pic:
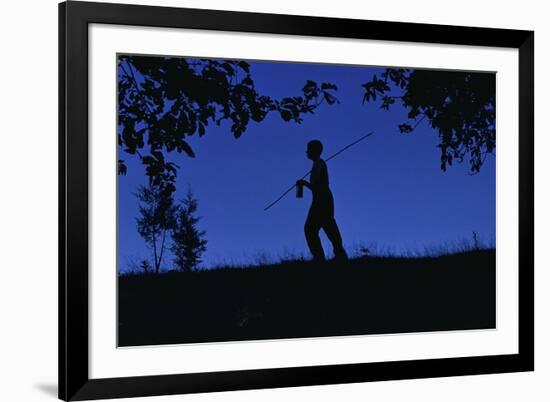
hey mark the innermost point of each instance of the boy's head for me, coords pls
(314, 149)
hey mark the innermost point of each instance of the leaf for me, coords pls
(326, 85)
(158, 155)
(286, 115)
(227, 67)
(148, 160)
(331, 99)
(244, 65)
(405, 128)
(185, 147)
(122, 169)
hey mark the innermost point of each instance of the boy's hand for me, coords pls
(301, 182)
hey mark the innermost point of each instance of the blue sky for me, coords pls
(389, 189)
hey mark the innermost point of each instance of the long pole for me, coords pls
(326, 160)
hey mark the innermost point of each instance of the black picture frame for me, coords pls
(74, 381)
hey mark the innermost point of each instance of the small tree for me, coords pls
(188, 242)
(157, 217)
(145, 266)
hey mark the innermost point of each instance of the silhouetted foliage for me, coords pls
(163, 100)
(157, 216)
(459, 105)
(188, 242)
(145, 266)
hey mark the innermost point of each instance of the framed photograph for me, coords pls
(256, 200)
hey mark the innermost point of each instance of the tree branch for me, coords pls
(419, 121)
(136, 85)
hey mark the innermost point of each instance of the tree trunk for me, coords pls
(162, 247)
(157, 262)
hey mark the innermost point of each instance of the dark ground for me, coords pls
(300, 299)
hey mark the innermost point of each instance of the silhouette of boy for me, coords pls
(321, 212)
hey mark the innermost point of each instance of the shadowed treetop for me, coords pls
(459, 105)
(163, 100)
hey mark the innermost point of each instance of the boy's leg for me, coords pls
(333, 233)
(311, 230)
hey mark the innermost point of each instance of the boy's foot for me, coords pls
(341, 256)
(318, 260)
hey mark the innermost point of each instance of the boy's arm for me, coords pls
(304, 183)
(318, 177)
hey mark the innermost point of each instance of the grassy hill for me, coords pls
(367, 295)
